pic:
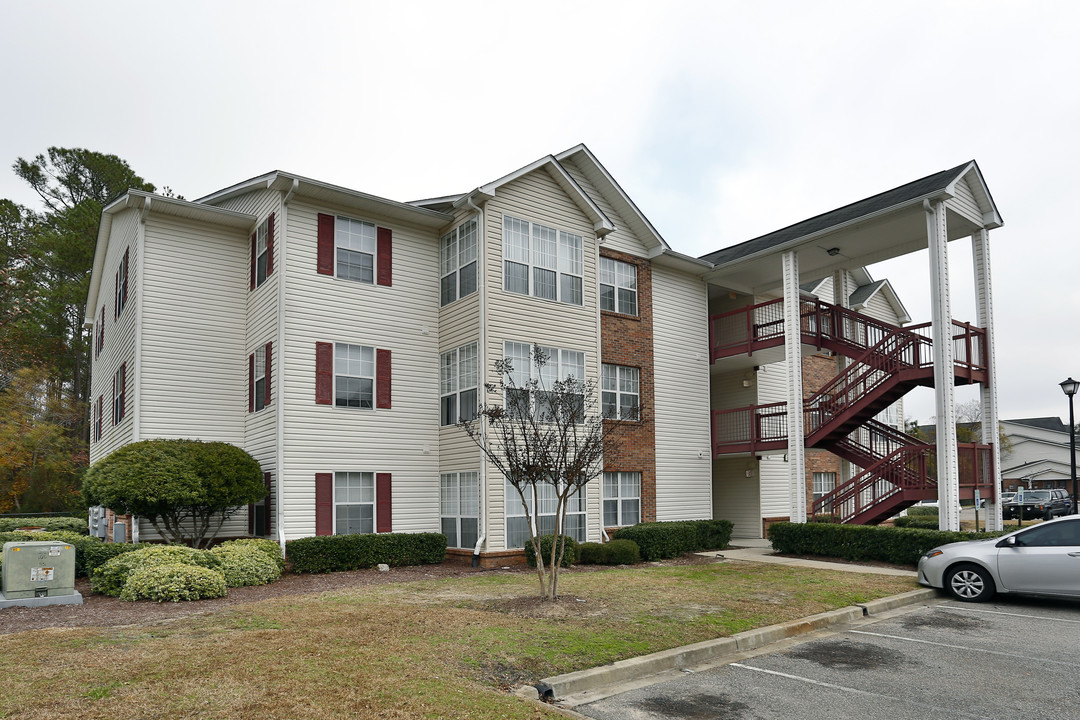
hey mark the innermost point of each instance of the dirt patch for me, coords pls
(942, 621)
(696, 707)
(846, 655)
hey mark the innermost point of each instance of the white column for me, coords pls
(793, 354)
(842, 298)
(948, 461)
(984, 309)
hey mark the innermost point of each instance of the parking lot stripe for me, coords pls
(964, 647)
(855, 691)
(998, 612)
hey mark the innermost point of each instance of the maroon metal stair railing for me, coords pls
(898, 480)
(755, 428)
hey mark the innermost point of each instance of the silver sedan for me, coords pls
(1040, 560)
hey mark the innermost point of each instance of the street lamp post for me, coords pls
(1069, 387)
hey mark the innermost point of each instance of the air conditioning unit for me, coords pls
(38, 569)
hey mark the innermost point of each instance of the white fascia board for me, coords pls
(990, 216)
(861, 276)
(258, 182)
(677, 261)
(615, 190)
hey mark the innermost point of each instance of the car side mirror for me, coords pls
(1008, 542)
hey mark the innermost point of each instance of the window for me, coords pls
(824, 483)
(262, 253)
(457, 255)
(622, 498)
(121, 285)
(99, 336)
(119, 381)
(354, 249)
(458, 384)
(561, 364)
(459, 500)
(620, 394)
(260, 381)
(354, 503)
(354, 376)
(548, 260)
(618, 286)
(517, 528)
(1061, 534)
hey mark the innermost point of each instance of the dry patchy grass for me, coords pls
(431, 649)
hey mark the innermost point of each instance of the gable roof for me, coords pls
(939, 184)
(1043, 423)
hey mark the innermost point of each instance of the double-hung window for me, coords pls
(355, 247)
(354, 503)
(459, 500)
(824, 483)
(458, 378)
(620, 392)
(622, 498)
(517, 526)
(542, 261)
(354, 376)
(560, 364)
(121, 287)
(618, 286)
(260, 381)
(119, 394)
(457, 255)
(262, 253)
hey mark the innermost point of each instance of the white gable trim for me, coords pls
(974, 178)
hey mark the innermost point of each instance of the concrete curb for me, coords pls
(712, 651)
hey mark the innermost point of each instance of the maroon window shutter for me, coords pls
(382, 378)
(254, 250)
(326, 245)
(113, 398)
(383, 503)
(386, 256)
(100, 406)
(125, 274)
(324, 504)
(269, 356)
(251, 518)
(324, 373)
(123, 389)
(267, 504)
(251, 382)
(270, 245)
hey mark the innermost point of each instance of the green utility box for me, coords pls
(38, 569)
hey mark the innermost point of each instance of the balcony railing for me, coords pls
(749, 429)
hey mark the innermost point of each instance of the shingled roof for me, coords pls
(882, 201)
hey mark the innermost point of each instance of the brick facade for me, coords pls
(818, 370)
(628, 340)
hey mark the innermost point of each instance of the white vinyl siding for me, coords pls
(736, 497)
(621, 239)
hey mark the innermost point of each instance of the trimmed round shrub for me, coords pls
(173, 582)
(110, 578)
(614, 552)
(246, 565)
(268, 547)
(570, 553)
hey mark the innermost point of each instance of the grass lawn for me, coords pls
(432, 649)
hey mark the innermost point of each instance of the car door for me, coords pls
(1045, 559)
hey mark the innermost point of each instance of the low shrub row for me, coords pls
(51, 524)
(659, 540)
(923, 522)
(614, 552)
(901, 546)
(330, 553)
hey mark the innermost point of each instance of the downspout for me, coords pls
(140, 299)
(481, 275)
(600, 339)
(280, 509)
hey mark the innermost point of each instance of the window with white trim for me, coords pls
(517, 526)
(458, 379)
(260, 379)
(354, 503)
(121, 286)
(824, 483)
(620, 392)
(119, 379)
(542, 261)
(561, 364)
(262, 252)
(618, 286)
(459, 500)
(457, 257)
(354, 376)
(622, 498)
(354, 249)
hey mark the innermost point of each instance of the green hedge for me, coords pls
(614, 552)
(112, 577)
(90, 552)
(330, 553)
(570, 552)
(50, 524)
(670, 539)
(923, 522)
(922, 510)
(901, 546)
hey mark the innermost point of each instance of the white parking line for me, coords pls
(964, 608)
(952, 712)
(964, 647)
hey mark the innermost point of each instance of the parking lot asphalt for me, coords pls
(1011, 658)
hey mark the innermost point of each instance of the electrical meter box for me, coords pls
(38, 569)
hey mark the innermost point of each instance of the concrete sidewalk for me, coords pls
(756, 550)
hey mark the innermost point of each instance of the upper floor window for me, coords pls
(121, 285)
(620, 394)
(542, 261)
(262, 253)
(457, 256)
(354, 248)
(354, 376)
(618, 286)
(119, 394)
(458, 377)
(559, 364)
(260, 381)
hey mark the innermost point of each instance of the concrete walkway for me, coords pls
(757, 550)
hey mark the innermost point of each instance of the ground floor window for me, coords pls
(459, 500)
(622, 498)
(517, 527)
(354, 503)
(824, 483)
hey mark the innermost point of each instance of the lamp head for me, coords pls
(1070, 386)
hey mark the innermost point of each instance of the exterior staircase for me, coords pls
(886, 363)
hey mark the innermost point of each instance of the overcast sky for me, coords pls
(722, 120)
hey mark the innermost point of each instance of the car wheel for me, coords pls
(1048, 515)
(969, 583)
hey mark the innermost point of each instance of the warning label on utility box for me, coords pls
(41, 574)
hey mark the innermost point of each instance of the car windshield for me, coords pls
(1037, 495)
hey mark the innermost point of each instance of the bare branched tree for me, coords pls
(545, 434)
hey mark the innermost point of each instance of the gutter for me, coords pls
(481, 360)
(283, 233)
